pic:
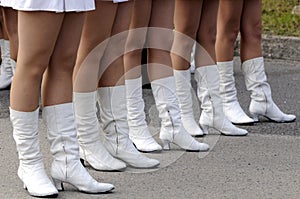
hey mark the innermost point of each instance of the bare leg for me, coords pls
(251, 30)
(112, 65)
(186, 20)
(57, 81)
(96, 32)
(228, 26)
(159, 60)
(136, 38)
(11, 24)
(206, 36)
(34, 55)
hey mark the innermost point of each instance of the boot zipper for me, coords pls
(117, 138)
(66, 161)
(172, 123)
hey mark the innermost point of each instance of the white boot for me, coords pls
(183, 91)
(66, 166)
(5, 69)
(13, 66)
(113, 117)
(88, 129)
(228, 93)
(212, 115)
(261, 99)
(172, 130)
(138, 129)
(31, 169)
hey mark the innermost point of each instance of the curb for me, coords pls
(277, 47)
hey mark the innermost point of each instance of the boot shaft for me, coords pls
(164, 92)
(25, 133)
(60, 123)
(256, 79)
(184, 91)
(135, 103)
(113, 113)
(207, 78)
(86, 117)
(227, 82)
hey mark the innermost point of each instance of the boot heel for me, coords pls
(255, 117)
(166, 144)
(58, 184)
(82, 162)
(204, 129)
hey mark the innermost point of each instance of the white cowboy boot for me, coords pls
(31, 169)
(212, 115)
(6, 72)
(183, 91)
(172, 130)
(113, 120)
(88, 133)
(138, 129)
(66, 166)
(228, 93)
(262, 103)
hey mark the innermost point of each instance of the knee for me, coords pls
(63, 62)
(160, 39)
(251, 32)
(116, 47)
(188, 30)
(207, 36)
(229, 31)
(136, 39)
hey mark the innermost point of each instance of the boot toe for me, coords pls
(289, 118)
(236, 132)
(236, 115)
(197, 147)
(146, 145)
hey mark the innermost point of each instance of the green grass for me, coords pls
(278, 18)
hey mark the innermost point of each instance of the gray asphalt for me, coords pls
(265, 164)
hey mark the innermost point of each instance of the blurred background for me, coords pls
(278, 17)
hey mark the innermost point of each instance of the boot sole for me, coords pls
(83, 162)
(155, 151)
(244, 124)
(274, 121)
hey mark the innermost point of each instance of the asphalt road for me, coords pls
(265, 164)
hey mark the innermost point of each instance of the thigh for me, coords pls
(229, 16)
(162, 14)
(205, 51)
(208, 21)
(112, 64)
(160, 35)
(97, 27)
(38, 33)
(141, 13)
(251, 17)
(116, 45)
(64, 54)
(187, 16)
(10, 17)
(140, 20)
